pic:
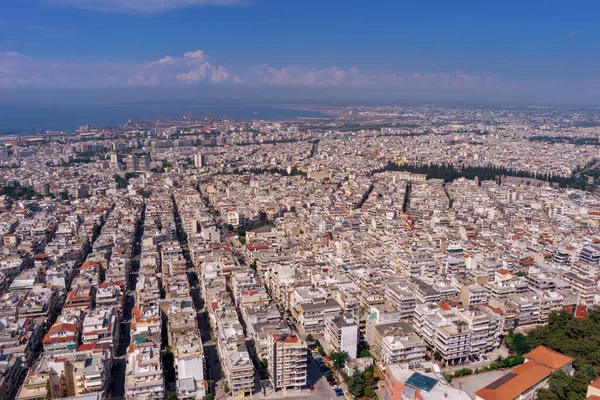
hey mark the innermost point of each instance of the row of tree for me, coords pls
(449, 173)
(589, 141)
(283, 172)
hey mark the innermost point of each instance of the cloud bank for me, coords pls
(196, 68)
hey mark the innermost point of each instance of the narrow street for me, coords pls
(120, 360)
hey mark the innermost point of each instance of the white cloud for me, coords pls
(195, 67)
(335, 77)
(143, 6)
(191, 67)
(198, 54)
(162, 61)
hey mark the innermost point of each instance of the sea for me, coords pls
(27, 119)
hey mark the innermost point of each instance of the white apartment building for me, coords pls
(341, 334)
(287, 361)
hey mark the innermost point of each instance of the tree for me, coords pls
(208, 396)
(309, 337)
(226, 388)
(339, 359)
(437, 356)
(369, 375)
(182, 236)
(369, 392)
(356, 383)
(518, 343)
(172, 396)
(121, 182)
(364, 353)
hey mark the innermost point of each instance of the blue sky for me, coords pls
(507, 49)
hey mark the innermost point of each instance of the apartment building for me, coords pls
(67, 375)
(457, 333)
(311, 316)
(341, 334)
(144, 373)
(397, 342)
(101, 327)
(586, 287)
(238, 368)
(473, 295)
(287, 361)
(401, 296)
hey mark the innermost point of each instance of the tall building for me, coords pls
(115, 159)
(133, 163)
(144, 163)
(341, 334)
(199, 160)
(287, 360)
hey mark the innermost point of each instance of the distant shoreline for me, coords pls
(26, 120)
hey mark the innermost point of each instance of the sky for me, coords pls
(545, 51)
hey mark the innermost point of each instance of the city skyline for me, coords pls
(508, 52)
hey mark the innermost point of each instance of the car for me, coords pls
(319, 359)
(332, 383)
(311, 386)
(339, 392)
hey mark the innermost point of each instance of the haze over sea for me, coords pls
(25, 119)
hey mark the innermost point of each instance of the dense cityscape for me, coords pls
(391, 252)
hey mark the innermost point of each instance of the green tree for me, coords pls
(226, 388)
(437, 356)
(339, 359)
(309, 337)
(364, 353)
(518, 343)
(369, 392)
(558, 389)
(356, 383)
(182, 236)
(121, 182)
(208, 396)
(172, 396)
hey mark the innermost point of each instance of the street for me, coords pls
(120, 360)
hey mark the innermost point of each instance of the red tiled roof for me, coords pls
(548, 357)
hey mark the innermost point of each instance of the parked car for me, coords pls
(332, 383)
(311, 387)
